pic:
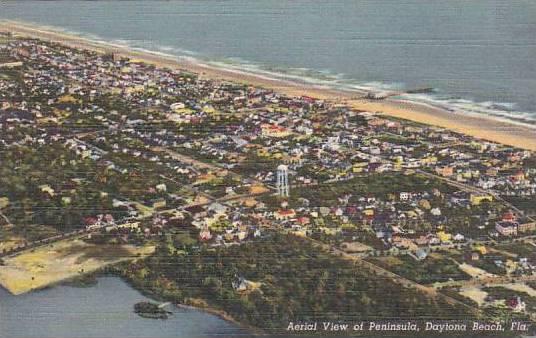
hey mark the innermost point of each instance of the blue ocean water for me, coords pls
(479, 55)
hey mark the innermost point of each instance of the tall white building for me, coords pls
(282, 181)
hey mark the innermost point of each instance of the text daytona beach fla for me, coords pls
(431, 326)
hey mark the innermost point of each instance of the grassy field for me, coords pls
(520, 249)
(48, 265)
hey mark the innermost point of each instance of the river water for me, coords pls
(103, 310)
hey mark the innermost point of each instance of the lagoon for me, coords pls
(103, 310)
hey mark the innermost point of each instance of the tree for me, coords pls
(183, 240)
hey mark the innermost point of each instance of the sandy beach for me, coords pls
(480, 126)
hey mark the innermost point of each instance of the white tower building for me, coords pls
(282, 181)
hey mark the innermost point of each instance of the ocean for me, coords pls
(477, 55)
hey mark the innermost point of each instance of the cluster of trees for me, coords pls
(296, 281)
(49, 185)
(385, 186)
(427, 271)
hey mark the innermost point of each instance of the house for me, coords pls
(478, 198)
(527, 227)
(401, 242)
(507, 228)
(161, 187)
(474, 256)
(241, 235)
(429, 160)
(445, 171)
(217, 208)
(271, 130)
(196, 210)
(481, 249)
(518, 176)
(421, 254)
(239, 284)
(493, 171)
(177, 106)
(435, 212)
(459, 237)
(131, 226)
(284, 214)
(47, 189)
(159, 203)
(516, 304)
(205, 234)
(4, 202)
(91, 223)
(303, 220)
(404, 196)
(422, 240)
(359, 167)
(486, 184)
(444, 237)
(509, 217)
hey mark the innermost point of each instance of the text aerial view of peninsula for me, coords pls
(268, 168)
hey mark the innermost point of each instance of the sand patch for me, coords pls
(351, 247)
(475, 272)
(521, 287)
(51, 264)
(258, 189)
(475, 294)
(11, 243)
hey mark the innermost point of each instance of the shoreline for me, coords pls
(109, 272)
(482, 127)
(114, 271)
